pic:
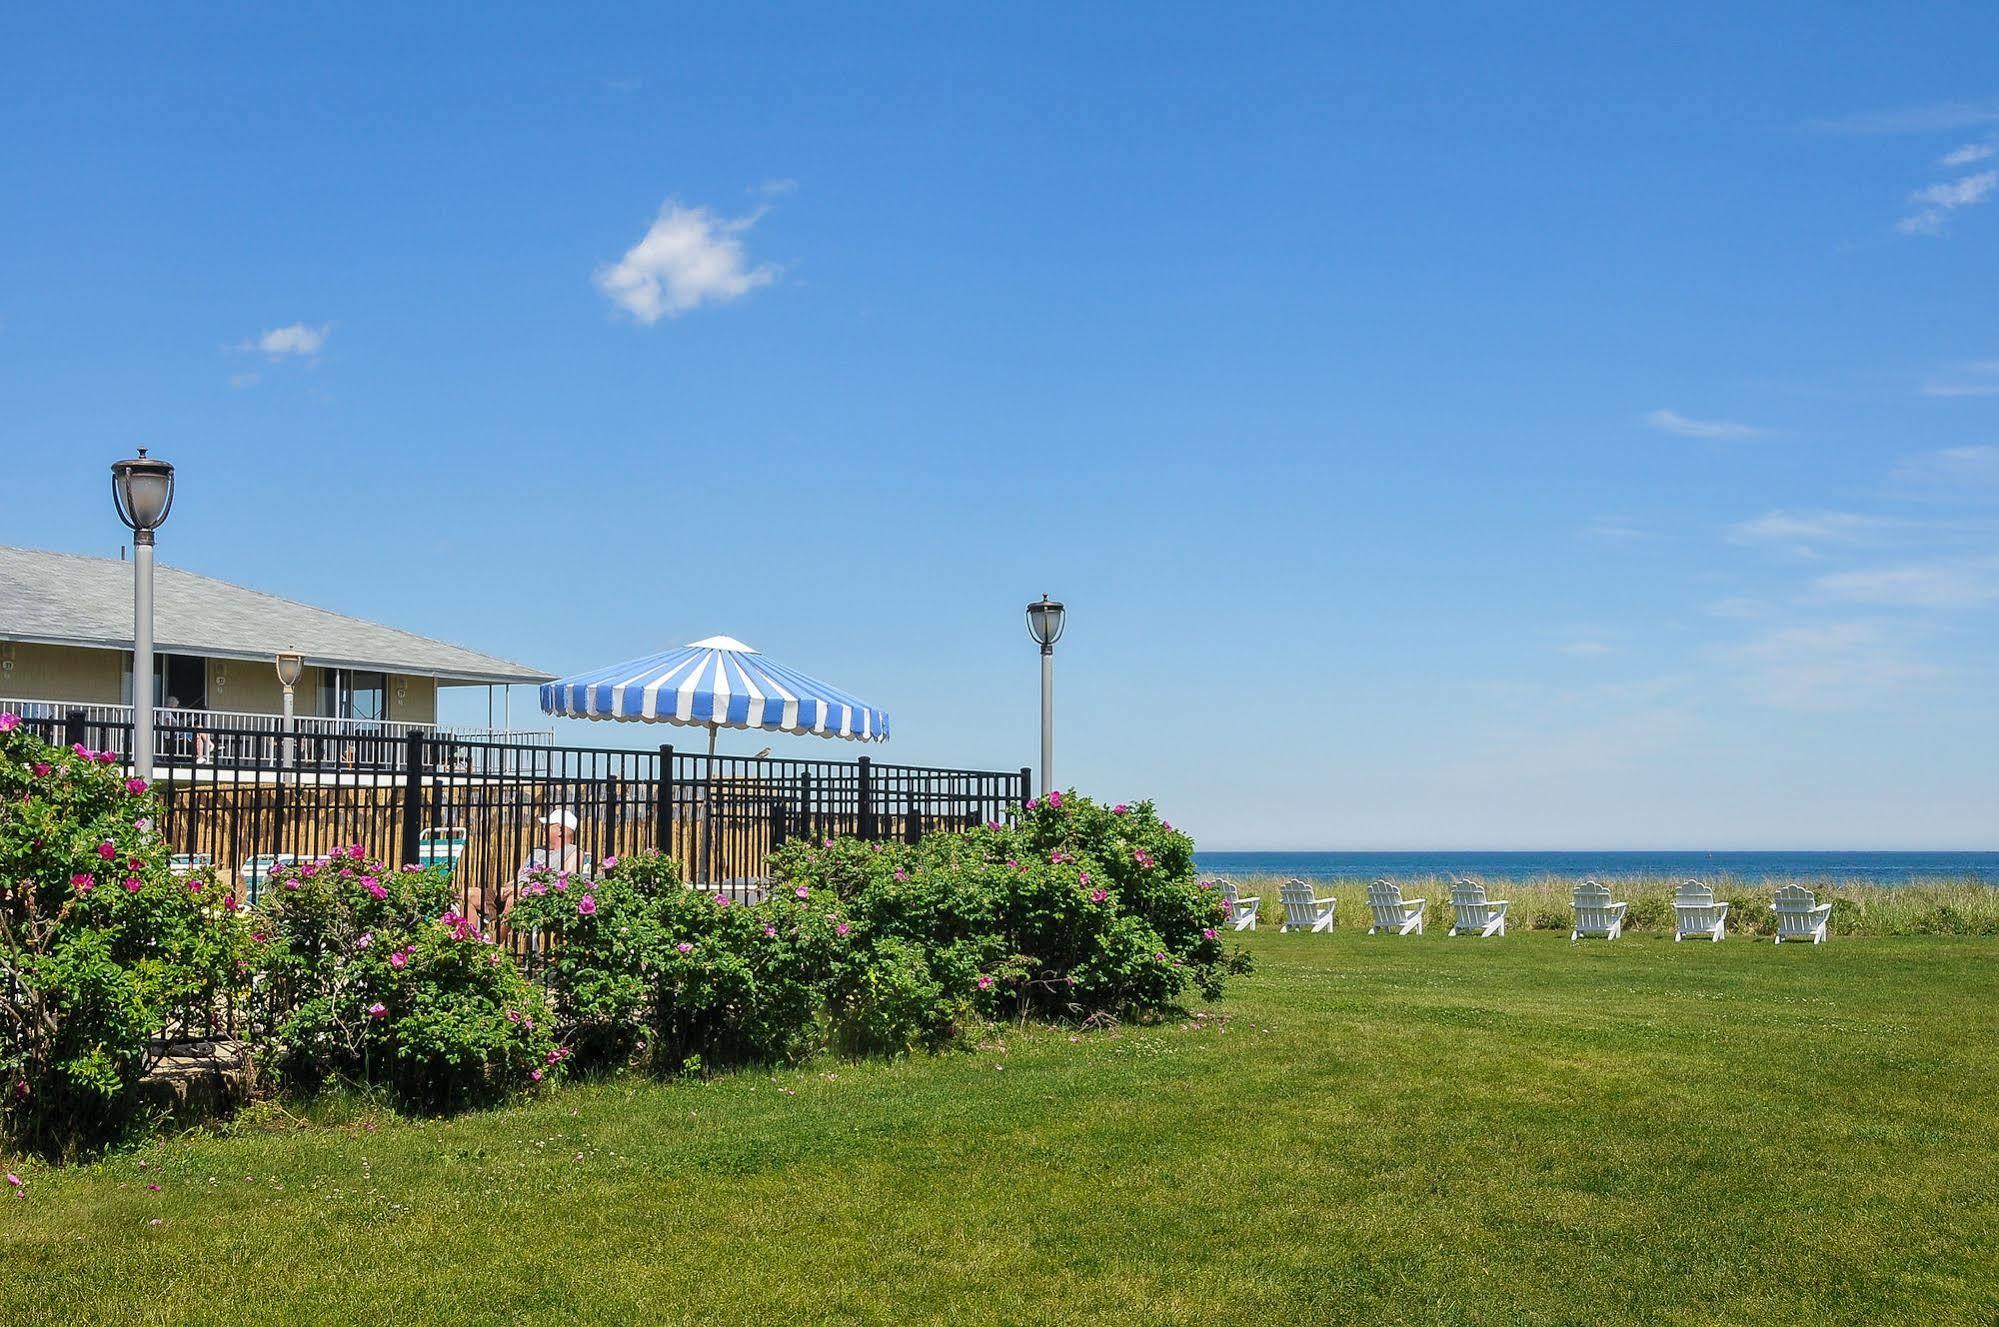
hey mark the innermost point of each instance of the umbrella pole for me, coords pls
(711, 739)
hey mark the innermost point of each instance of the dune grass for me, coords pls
(1944, 907)
(1414, 1130)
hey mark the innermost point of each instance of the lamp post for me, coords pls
(143, 491)
(290, 665)
(1044, 624)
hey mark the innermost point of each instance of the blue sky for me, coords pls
(1449, 428)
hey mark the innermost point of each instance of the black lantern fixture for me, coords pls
(143, 491)
(1044, 623)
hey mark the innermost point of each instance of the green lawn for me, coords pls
(1421, 1130)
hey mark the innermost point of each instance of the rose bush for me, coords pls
(365, 974)
(102, 948)
(641, 965)
(1074, 910)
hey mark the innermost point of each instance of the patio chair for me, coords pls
(441, 845)
(1303, 910)
(257, 869)
(1596, 914)
(184, 864)
(1242, 911)
(1800, 915)
(1472, 912)
(1696, 913)
(1391, 911)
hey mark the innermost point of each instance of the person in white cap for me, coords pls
(559, 851)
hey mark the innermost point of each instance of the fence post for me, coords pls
(412, 795)
(72, 728)
(662, 817)
(1026, 785)
(867, 810)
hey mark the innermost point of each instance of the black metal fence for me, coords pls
(242, 805)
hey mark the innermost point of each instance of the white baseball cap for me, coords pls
(566, 819)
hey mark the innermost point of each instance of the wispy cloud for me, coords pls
(241, 380)
(1584, 649)
(298, 339)
(1616, 530)
(1967, 155)
(1951, 583)
(1976, 378)
(689, 257)
(1951, 472)
(1935, 118)
(1935, 204)
(1822, 667)
(1803, 533)
(1736, 606)
(1672, 421)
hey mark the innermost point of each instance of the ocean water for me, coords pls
(1881, 868)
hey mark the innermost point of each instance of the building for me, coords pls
(66, 654)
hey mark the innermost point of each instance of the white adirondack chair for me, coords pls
(1472, 911)
(1696, 913)
(1800, 915)
(1596, 914)
(1304, 910)
(1391, 911)
(1242, 911)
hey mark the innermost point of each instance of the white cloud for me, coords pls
(1955, 471)
(1615, 530)
(1801, 533)
(1937, 118)
(1833, 666)
(1968, 154)
(1935, 204)
(1671, 421)
(689, 257)
(1739, 606)
(297, 339)
(242, 380)
(1954, 583)
(1584, 649)
(1977, 378)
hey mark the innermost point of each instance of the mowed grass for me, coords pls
(1413, 1130)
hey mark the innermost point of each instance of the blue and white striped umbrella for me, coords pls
(715, 683)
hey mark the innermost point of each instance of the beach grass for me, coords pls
(1369, 1129)
(1942, 907)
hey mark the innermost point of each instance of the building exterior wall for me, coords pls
(97, 677)
(62, 672)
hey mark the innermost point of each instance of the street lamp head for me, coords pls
(1044, 623)
(143, 491)
(291, 664)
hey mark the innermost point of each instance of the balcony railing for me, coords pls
(238, 738)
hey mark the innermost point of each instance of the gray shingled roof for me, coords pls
(65, 599)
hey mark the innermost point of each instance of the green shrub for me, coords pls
(102, 949)
(641, 965)
(366, 975)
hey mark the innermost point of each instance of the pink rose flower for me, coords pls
(8, 723)
(1119, 809)
(587, 905)
(802, 892)
(684, 947)
(1207, 933)
(610, 862)
(1098, 895)
(132, 884)
(82, 882)
(400, 959)
(1033, 803)
(107, 850)
(842, 929)
(377, 1009)
(135, 786)
(1055, 801)
(770, 932)
(41, 769)
(536, 1075)
(365, 939)
(355, 852)
(985, 983)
